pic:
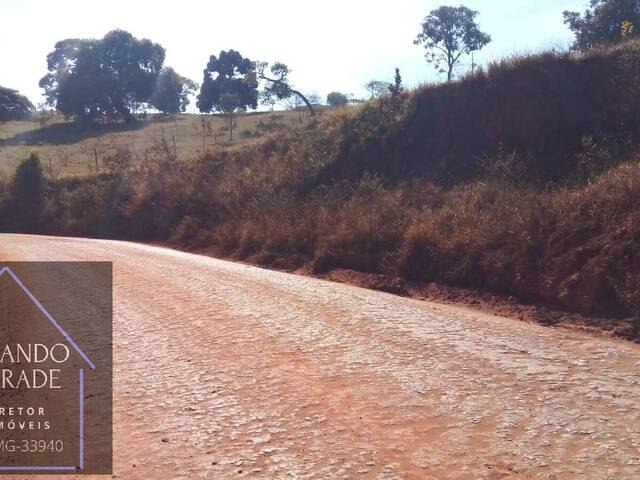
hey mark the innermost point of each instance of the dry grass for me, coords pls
(70, 149)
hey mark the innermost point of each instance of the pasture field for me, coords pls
(70, 149)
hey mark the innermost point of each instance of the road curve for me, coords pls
(224, 370)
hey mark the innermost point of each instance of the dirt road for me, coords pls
(225, 370)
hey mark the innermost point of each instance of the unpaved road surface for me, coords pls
(224, 370)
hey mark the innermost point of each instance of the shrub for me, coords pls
(24, 200)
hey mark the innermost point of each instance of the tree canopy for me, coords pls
(14, 106)
(230, 74)
(172, 92)
(110, 77)
(396, 88)
(337, 99)
(377, 88)
(604, 22)
(449, 33)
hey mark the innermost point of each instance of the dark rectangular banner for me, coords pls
(56, 368)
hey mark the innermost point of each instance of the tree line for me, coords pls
(115, 76)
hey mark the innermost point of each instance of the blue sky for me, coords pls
(329, 45)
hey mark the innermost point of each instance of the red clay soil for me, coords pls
(486, 301)
(489, 302)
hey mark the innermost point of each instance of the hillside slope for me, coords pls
(522, 180)
(543, 107)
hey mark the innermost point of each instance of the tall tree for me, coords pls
(396, 88)
(377, 87)
(449, 33)
(14, 106)
(172, 92)
(229, 104)
(277, 83)
(228, 74)
(604, 22)
(110, 77)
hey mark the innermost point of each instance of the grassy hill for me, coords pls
(71, 149)
(542, 107)
(522, 180)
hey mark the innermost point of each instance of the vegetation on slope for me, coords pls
(523, 180)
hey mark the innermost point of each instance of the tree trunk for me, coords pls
(304, 99)
(451, 62)
(95, 157)
(126, 114)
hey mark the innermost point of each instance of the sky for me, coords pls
(330, 45)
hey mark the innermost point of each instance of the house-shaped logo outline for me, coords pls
(91, 365)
